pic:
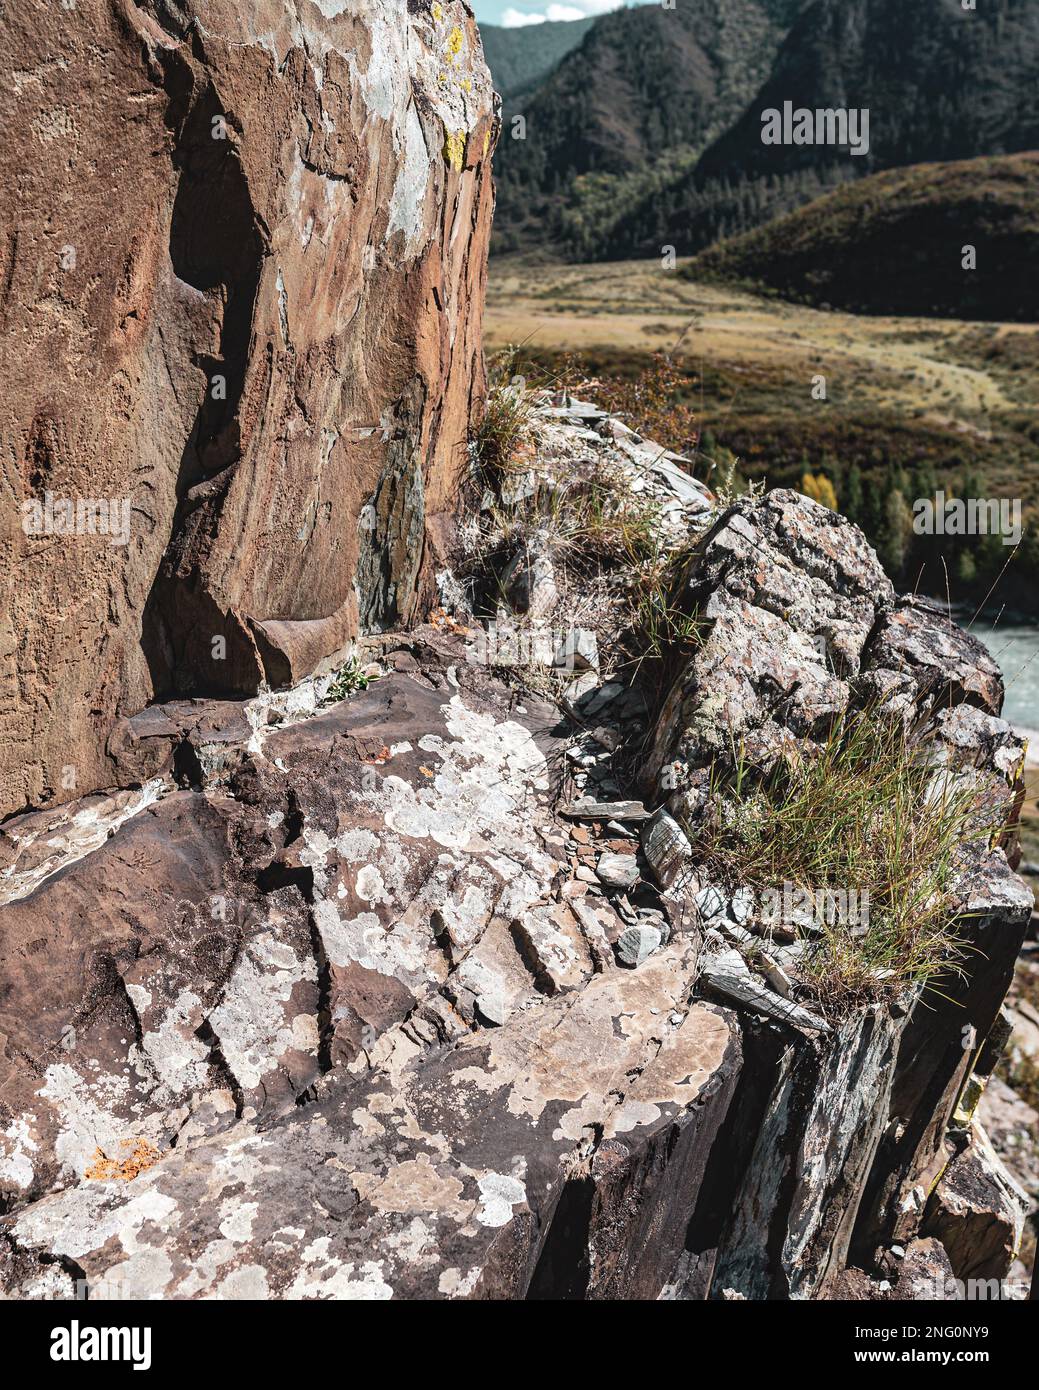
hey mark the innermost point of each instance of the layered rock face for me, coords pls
(242, 272)
(342, 1001)
(404, 992)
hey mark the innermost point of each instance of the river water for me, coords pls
(1016, 647)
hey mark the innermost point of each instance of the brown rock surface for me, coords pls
(242, 252)
(308, 995)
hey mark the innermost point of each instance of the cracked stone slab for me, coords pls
(437, 1178)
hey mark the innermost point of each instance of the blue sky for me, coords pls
(515, 12)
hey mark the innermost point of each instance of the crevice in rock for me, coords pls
(187, 770)
(540, 978)
(217, 245)
(563, 1268)
(219, 1063)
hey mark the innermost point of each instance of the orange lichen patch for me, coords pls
(427, 772)
(139, 1156)
(382, 756)
(439, 619)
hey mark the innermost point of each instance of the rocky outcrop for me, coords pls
(372, 1051)
(241, 277)
(441, 1009)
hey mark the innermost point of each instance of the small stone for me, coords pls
(624, 909)
(491, 1008)
(615, 828)
(603, 696)
(666, 847)
(776, 976)
(529, 580)
(741, 906)
(731, 931)
(581, 686)
(588, 809)
(606, 738)
(635, 944)
(710, 902)
(617, 870)
(584, 874)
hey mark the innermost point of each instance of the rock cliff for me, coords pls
(337, 959)
(242, 259)
(379, 996)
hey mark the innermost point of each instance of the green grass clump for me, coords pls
(867, 812)
(347, 680)
(506, 425)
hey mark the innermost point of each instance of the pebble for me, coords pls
(617, 870)
(635, 944)
(741, 906)
(711, 902)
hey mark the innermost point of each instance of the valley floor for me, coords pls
(897, 388)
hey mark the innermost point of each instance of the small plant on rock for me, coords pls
(347, 680)
(865, 811)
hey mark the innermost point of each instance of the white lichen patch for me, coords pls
(84, 1112)
(16, 1149)
(454, 1284)
(366, 941)
(489, 771)
(500, 1192)
(254, 1022)
(84, 1218)
(176, 1056)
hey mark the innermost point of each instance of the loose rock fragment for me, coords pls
(666, 848)
(617, 870)
(636, 943)
(710, 902)
(728, 973)
(589, 809)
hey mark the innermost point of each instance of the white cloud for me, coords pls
(575, 9)
(515, 19)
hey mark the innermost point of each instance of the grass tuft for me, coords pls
(615, 569)
(868, 813)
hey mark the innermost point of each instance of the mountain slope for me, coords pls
(519, 59)
(892, 243)
(940, 83)
(602, 176)
(629, 109)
